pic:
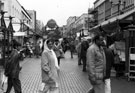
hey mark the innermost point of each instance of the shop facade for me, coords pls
(121, 31)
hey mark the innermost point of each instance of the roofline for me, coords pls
(26, 11)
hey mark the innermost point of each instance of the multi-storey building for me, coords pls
(63, 31)
(82, 24)
(39, 25)
(108, 11)
(21, 21)
(77, 26)
(32, 13)
(70, 25)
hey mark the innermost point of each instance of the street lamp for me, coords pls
(10, 33)
(6, 37)
(3, 30)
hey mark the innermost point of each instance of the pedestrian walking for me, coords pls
(78, 49)
(72, 48)
(84, 47)
(37, 49)
(58, 50)
(64, 45)
(96, 64)
(109, 58)
(12, 70)
(49, 68)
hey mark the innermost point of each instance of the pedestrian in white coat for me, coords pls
(49, 68)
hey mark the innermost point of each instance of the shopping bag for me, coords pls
(41, 87)
(4, 79)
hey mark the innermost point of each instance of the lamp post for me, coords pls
(10, 32)
(3, 29)
(88, 21)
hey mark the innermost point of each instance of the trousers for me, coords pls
(107, 86)
(99, 88)
(14, 82)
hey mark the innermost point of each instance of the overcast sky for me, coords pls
(59, 10)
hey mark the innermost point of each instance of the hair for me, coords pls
(97, 36)
(56, 40)
(15, 44)
(49, 40)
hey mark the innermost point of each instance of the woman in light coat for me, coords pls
(49, 67)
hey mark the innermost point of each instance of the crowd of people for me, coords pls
(97, 59)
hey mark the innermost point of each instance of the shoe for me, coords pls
(84, 70)
(20, 68)
(79, 64)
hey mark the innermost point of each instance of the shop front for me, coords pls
(119, 34)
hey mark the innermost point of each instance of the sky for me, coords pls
(59, 10)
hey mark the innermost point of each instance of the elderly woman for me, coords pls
(49, 67)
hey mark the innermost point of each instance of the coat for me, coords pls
(95, 62)
(12, 67)
(78, 48)
(58, 50)
(109, 61)
(84, 47)
(37, 49)
(49, 68)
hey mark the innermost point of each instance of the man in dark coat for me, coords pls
(109, 63)
(72, 48)
(37, 49)
(12, 69)
(84, 47)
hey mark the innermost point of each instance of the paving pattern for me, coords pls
(72, 79)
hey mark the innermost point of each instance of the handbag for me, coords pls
(41, 87)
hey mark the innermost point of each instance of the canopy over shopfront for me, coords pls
(113, 24)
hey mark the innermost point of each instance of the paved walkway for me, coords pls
(72, 79)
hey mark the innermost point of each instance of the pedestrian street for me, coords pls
(72, 78)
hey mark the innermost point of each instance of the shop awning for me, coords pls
(111, 24)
